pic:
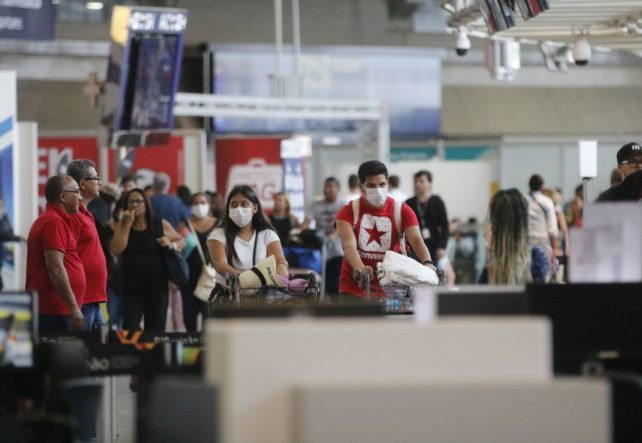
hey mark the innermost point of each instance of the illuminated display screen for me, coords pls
(17, 330)
(144, 67)
(408, 83)
(155, 79)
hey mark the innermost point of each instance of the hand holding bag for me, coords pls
(207, 279)
(175, 264)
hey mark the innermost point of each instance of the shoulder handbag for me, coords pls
(175, 264)
(207, 279)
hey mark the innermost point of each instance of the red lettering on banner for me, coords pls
(55, 153)
(152, 159)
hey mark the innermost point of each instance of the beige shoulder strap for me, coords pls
(355, 213)
(402, 237)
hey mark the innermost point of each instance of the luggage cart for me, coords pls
(233, 294)
(396, 298)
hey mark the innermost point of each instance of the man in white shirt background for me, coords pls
(542, 222)
(395, 192)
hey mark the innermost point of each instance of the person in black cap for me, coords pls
(629, 159)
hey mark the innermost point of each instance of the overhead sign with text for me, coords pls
(27, 19)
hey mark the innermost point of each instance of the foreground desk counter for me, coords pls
(264, 367)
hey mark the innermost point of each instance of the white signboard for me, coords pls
(608, 248)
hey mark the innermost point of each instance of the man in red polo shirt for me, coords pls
(54, 269)
(366, 240)
(89, 249)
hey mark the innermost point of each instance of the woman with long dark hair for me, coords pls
(139, 237)
(244, 236)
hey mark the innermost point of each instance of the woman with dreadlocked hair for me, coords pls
(510, 254)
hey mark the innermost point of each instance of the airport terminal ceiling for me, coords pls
(536, 101)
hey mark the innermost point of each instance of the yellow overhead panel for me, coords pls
(120, 24)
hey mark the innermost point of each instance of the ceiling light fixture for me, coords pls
(582, 51)
(94, 6)
(463, 42)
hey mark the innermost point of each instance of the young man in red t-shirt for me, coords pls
(375, 231)
(90, 250)
(54, 269)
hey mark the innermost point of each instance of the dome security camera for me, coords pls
(463, 42)
(582, 52)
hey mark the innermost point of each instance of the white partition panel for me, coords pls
(569, 411)
(255, 363)
(26, 157)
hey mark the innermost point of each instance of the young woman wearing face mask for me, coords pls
(201, 223)
(244, 236)
(374, 233)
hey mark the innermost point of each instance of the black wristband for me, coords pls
(428, 262)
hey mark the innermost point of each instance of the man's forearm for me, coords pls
(555, 245)
(419, 247)
(353, 257)
(60, 281)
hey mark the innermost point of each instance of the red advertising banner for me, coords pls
(55, 153)
(147, 161)
(252, 161)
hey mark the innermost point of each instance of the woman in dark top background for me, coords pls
(201, 223)
(114, 279)
(185, 196)
(281, 218)
(140, 238)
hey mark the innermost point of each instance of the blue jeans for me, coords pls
(93, 317)
(52, 324)
(115, 308)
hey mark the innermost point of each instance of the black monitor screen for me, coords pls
(591, 319)
(152, 81)
(17, 330)
(482, 300)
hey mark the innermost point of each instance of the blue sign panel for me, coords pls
(27, 19)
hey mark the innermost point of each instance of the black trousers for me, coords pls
(192, 306)
(332, 274)
(145, 298)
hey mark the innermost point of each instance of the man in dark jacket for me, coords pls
(629, 190)
(431, 213)
(629, 161)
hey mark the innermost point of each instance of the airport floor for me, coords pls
(117, 421)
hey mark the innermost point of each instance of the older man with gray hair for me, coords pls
(165, 205)
(54, 268)
(88, 246)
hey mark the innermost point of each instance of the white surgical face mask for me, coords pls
(241, 216)
(201, 210)
(377, 196)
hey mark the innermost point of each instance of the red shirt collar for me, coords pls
(58, 210)
(82, 209)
